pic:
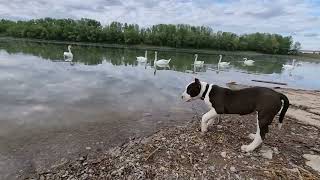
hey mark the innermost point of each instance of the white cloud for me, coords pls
(287, 17)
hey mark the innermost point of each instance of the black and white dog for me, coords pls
(266, 102)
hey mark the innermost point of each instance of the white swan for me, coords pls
(248, 62)
(68, 55)
(160, 62)
(196, 62)
(222, 64)
(289, 66)
(143, 59)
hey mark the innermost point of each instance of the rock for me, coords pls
(223, 154)
(266, 152)
(65, 174)
(42, 177)
(233, 169)
(275, 150)
(219, 126)
(313, 161)
(88, 148)
(211, 168)
(84, 176)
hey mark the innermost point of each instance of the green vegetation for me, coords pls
(177, 36)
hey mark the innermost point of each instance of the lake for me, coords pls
(52, 109)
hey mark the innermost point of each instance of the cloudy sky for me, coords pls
(298, 18)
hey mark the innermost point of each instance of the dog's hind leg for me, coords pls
(206, 119)
(256, 141)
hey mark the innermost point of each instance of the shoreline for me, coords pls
(181, 152)
(150, 47)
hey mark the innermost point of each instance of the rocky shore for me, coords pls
(184, 153)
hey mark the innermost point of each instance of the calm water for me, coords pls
(105, 96)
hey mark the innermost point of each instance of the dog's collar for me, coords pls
(205, 92)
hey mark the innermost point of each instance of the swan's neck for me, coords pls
(155, 57)
(220, 59)
(69, 48)
(145, 54)
(196, 58)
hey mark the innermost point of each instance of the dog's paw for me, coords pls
(251, 136)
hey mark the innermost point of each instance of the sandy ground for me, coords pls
(184, 153)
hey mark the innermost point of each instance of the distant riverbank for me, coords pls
(147, 47)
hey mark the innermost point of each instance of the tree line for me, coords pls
(178, 36)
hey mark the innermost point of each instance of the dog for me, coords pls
(266, 102)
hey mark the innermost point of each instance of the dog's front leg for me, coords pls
(205, 118)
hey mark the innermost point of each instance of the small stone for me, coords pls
(212, 168)
(313, 161)
(88, 148)
(85, 176)
(225, 167)
(266, 152)
(219, 126)
(245, 162)
(84, 164)
(233, 169)
(223, 154)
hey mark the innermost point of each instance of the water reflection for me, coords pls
(183, 62)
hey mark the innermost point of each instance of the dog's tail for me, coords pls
(284, 109)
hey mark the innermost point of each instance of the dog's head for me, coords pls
(192, 91)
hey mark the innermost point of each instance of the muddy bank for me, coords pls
(183, 153)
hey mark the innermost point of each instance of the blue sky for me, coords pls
(298, 18)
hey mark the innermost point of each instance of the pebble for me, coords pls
(266, 152)
(223, 154)
(233, 169)
(212, 168)
(88, 148)
(219, 126)
(84, 176)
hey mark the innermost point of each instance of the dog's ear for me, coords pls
(196, 80)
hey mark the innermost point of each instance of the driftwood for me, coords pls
(269, 82)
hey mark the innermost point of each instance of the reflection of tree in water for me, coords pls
(181, 61)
